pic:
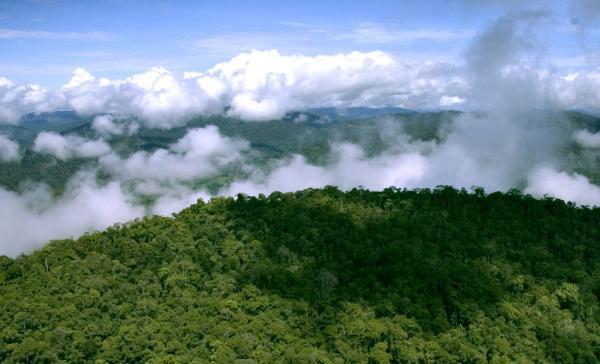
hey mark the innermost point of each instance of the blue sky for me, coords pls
(43, 41)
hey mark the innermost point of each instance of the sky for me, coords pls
(44, 41)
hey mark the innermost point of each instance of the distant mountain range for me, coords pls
(356, 112)
(69, 121)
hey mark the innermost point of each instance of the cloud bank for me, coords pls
(16, 100)
(263, 85)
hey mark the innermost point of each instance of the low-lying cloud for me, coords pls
(9, 149)
(198, 154)
(514, 140)
(30, 219)
(69, 146)
(106, 126)
(587, 139)
(566, 186)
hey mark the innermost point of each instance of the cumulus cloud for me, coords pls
(70, 146)
(158, 97)
(496, 149)
(16, 100)
(258, 85)
(263, 85)
(9, 149)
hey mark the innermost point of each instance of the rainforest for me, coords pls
(300, 182)
(321, 276)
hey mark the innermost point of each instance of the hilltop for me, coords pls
(317, 276)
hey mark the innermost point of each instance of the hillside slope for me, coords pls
(270, 141)
(317, 276)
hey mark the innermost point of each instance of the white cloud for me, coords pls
(106, 125)
(348, 168)
(17, 100)
(159, 97)
(496, 150)
(265, 85)
(487, 152)
(176, 200)
(566, 186)
(587, 139)
(28, 220)
(200, 153)
(80, 77)
(490, 152)
(577, 90)
(70, 146)
(255, 85)
(9, 149)
(451, 100)
(4, 82)
(262, 85)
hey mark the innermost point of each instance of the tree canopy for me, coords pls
(317, 276)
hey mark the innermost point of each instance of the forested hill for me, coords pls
(317, 276)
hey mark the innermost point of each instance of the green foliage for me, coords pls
(317, 276)
(269, 141)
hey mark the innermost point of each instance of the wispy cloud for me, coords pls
(311, 38)
(376, 33)
(234, 43)
(6, 33)
(90, 54)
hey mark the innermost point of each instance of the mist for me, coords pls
(513, 140)
(9, 149)
(30, 219)
(70, 146)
